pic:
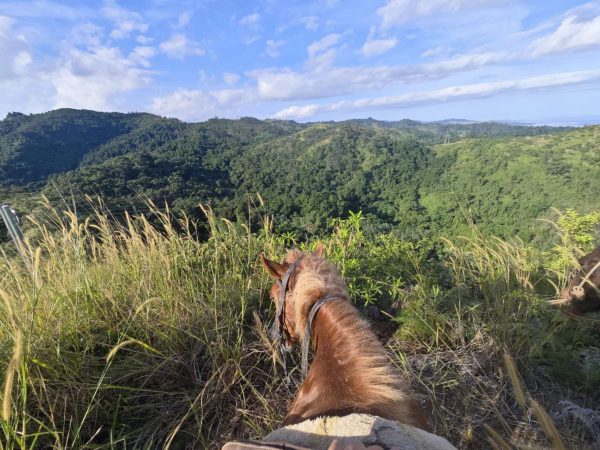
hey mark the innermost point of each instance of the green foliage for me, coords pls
(578, 236)
(379, 268)
(579, 229)
(419, 179)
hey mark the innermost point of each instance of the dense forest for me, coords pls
(419, 179)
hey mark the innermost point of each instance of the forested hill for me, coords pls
(419, 178)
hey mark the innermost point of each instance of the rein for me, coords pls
(278, 329)
(306, 340)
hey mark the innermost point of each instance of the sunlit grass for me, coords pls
(133, 332)
(149, 331)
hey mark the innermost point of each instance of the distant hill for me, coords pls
(417, 178)
(32, 147)
(454, 129)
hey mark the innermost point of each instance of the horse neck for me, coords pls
(350, 372)
(341, 338)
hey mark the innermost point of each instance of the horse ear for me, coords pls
(320, 250)
(275, 269)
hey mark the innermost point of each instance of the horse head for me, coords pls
(582, 293)
(287, 326)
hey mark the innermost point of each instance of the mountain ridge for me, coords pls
(419, 178)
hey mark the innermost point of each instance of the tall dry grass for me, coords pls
(133, 333)
(147, 332)
(492, 357)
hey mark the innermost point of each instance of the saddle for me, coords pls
(319, 434)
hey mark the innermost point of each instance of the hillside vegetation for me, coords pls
(423, 179)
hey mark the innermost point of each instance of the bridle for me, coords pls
(586, 279)
(278, 331)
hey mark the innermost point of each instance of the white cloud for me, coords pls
(251, 25)
(311, 23)
(227, 97)
(321, 79)
(400, 12)
(144, 40)
(183, 19)
(231, 78)
(94, 77)
(298, 112)
(251, 21)
(15, 54)
(285, 84)
(274, 48)
(178, 46)
(184, 104)
(323, 44)
(374, 47)
(87, 33)
(458, 63)
(321, 53)
(126, 21)
(435, 51)
(190, 104)
(577, 31)
(90, 79)
(142, 55)
(448, 94)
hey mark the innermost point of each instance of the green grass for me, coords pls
(137, 334)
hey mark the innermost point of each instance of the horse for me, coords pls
(352, 397)
(350, 371)
(582, 295)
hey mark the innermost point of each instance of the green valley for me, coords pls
(420, 179)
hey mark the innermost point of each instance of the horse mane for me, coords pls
(375, 378)
(374, 385)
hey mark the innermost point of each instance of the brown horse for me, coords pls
(582, 295)
(350, 371)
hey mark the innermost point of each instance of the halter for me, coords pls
(306, 340)
(278, 329)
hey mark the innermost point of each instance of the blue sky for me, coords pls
(533, 61)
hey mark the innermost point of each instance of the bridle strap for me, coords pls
(586, 279)
(278, 325)
(306, 339)
(278, 328)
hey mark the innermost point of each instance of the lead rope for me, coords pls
(306, 339)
